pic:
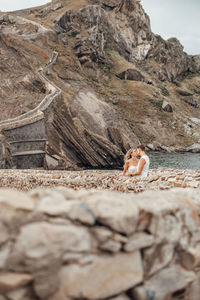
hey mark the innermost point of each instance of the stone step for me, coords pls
(33, 152)
(27, 145)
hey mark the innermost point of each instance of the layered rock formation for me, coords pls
(60, 244)
(115, 76)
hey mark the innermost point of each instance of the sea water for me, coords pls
(174, 160)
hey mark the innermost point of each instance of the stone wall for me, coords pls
(27, 133)
(60, 244)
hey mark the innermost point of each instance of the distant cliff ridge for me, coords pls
(120, 83)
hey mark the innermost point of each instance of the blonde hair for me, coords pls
(128, 154)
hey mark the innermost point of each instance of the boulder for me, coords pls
(166, 106)
(191, 101)
(164, 284)
(139, 240)
(105, 274)
(131, 74)
(195, 148)
(11, 281)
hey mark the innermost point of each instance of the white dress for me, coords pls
(146, 166)
(132, 169)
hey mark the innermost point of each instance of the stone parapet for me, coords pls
(21, 127)
(59, 244)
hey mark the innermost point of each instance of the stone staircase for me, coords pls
(25, 135)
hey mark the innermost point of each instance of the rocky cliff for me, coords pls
(121, 84)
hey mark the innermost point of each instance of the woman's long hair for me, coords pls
(128, 154)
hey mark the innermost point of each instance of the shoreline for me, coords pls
(158, 179)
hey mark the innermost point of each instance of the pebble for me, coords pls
(158, 179)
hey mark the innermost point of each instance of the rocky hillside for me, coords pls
(121, 84)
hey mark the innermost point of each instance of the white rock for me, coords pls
(4, 254)
(109, 275)
(112, 210)
(11, 281)
(139, 240)
(74, 210)
(194, 291)
(111, 246)
(4, 236)
(195, 121)
(164, 284)
(19, 294)
(102, 234)
(16, 200)
(157, 257)
(38, 240)
(120, 297)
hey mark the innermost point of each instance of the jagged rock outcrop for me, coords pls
(54, 243)
(172, 61)
(125, 28)
(91, 133)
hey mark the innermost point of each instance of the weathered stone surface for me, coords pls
(109, 29)
(16, 200)
(191, 101)
(166, 106)
(190, 258)
(195, 148)
(131, 74)
(116, 214)
(63, 254)
(139, 240)
(39, 240)
(120, 297)
(157, 257)
(105, 272)
(4, 254)
(111, 246)
(4, 236)
(11, 281)
(23, 293)
(74, 210)
(164, 284)
(194, 291)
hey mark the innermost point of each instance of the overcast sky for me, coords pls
(169, 18)
(176, 18)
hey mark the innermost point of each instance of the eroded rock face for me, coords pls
(173, 61)
(56, 257)
(125, 28)
(92, 134)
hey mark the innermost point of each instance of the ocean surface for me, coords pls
(174, 160)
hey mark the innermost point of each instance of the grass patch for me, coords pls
(183, 93)
(164, 91)
(156, 103)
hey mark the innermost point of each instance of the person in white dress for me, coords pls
(131, 162)
(143, 164)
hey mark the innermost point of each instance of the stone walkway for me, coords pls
(99, 179)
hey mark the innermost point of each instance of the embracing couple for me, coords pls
(134, 166)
